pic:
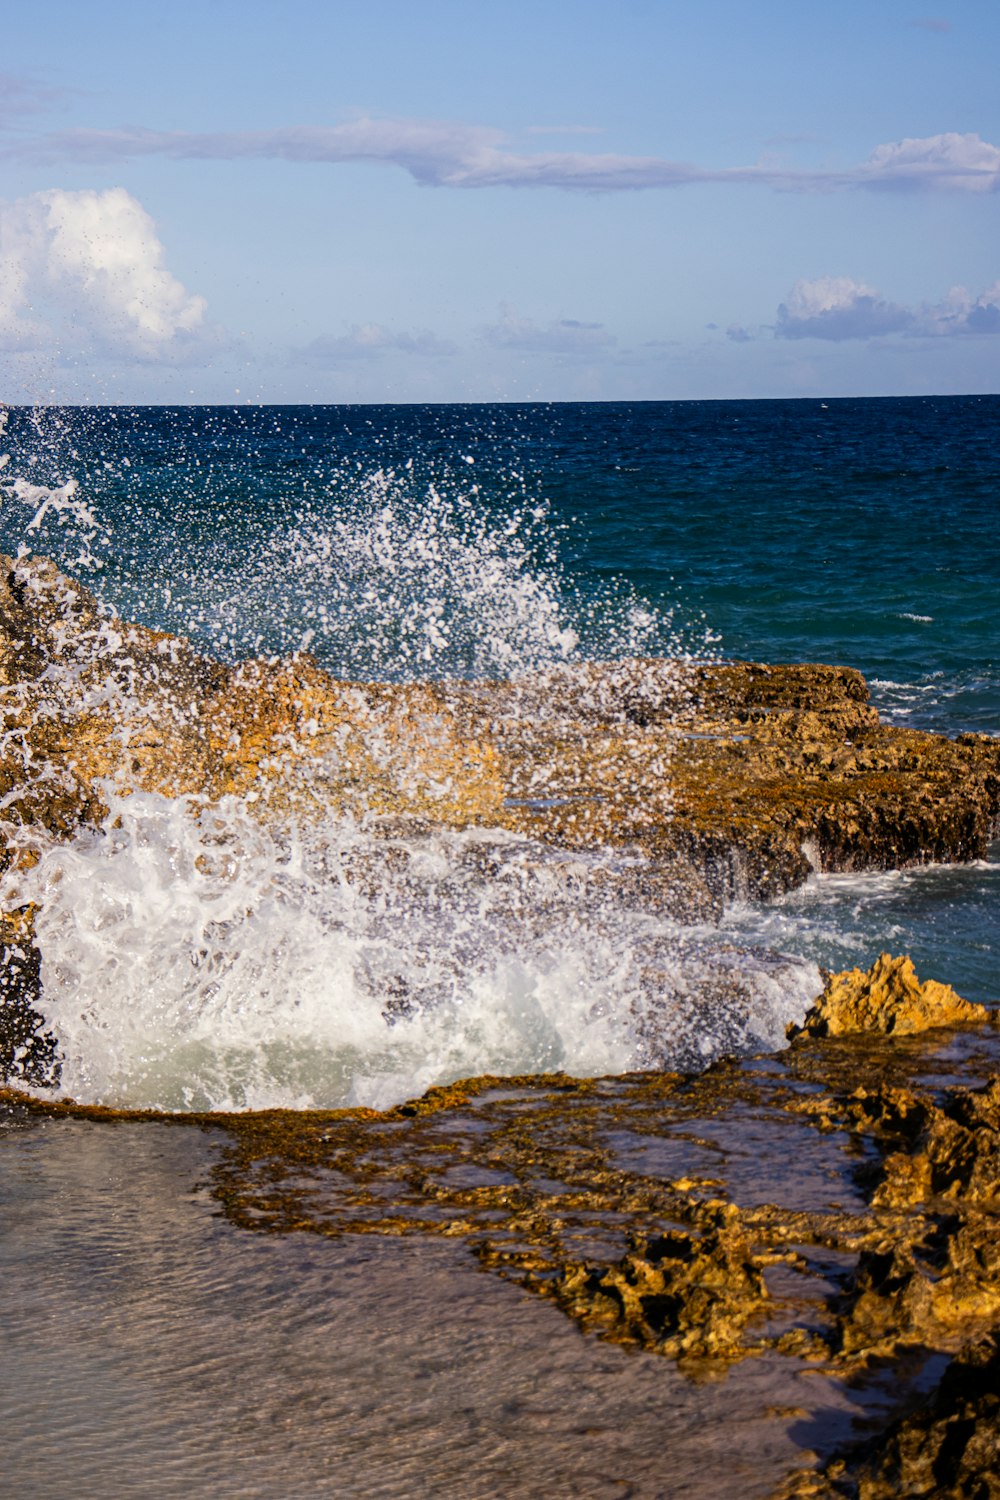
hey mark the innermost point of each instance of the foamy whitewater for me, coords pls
(208, 956)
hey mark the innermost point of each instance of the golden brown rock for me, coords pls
(948, 1449)
(888, 998)
(85, 697)
(735, 778)
(685, 1293)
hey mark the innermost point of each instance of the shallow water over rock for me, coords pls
(151, 1349)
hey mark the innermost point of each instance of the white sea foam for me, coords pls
(197, 956)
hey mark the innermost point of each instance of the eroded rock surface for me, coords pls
(85, 697)
(837, 1204)
(738, 778)
(887, 998)
(947, 1449)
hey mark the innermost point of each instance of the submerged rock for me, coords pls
(836, 1204)
(888, 998)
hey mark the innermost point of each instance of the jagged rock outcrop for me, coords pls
(686, 1292)
(84, 697)
(888, 999)
(738, 777)
(947, 1449)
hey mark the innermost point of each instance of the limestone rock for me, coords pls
(950, 1448)
(738, 777)
(887, 998)
(84, 697)
(687, 1294)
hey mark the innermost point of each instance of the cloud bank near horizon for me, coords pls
(838, 308)
(562, 336)
(458, 155)
(88, 267)
(367, 341)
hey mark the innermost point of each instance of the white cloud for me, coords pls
(961, 313)
(369, 341)
(89, 265)
(963, 163)
(839, 308)
(835, 307)
(561, 336)
(454, 154)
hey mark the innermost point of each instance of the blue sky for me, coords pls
(237, 200)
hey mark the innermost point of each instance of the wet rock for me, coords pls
(921, 1288)
(947, 1449)
(685, 1293)
(887, 998)
(950, 1149)
(733, 779)
(950, 1448)
(755, 774)
(760, 1207)
(85, 697)
(28, 1049)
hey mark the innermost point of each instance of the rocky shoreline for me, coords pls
(835, 1203)
(740, 777)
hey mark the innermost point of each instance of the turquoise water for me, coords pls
(485, 541)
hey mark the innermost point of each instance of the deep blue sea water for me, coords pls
(854, 531)
(430, 541)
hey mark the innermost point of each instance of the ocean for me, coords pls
(426, 542)
(197, 959)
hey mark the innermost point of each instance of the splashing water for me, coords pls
(81, 527)
(198, 955)
(415, 584)
(197, 959)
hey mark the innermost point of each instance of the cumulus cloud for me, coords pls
(835, 307)
(961, 313)
(561, 336)
(839, 308)
(453, 154)
(951, 162)
(90, 265)
(370, 341)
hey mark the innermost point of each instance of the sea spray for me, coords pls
(38, 504)
(284, 948)
(194, 957)
(252, 534)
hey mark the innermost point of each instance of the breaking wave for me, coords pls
(210, 955)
